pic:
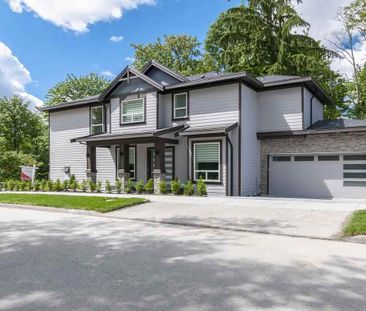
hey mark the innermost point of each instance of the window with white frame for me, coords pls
(180, 106)
(207, 161)
(97, 117)
(133, 111)
(131, 161)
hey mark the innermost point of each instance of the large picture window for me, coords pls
(131, 161)
(97, 117)
(133, 111)
(207, 161)
(180, 106)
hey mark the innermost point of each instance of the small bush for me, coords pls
(118, 185)
(201, 188)
(163, 187)
(28, 186)
(72, 179)
(175, 186)
(73, 185)
(91, 186)
(188, 188)
(10, 185)
(108, 186)
(149, 187)
(37, 185)
(84, 186)
(43, 185)
(65, 185)
(129, 186)
(57, 186)
(99, 187)
(140, 186)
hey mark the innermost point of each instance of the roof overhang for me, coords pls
(155, 64)
(222, 130)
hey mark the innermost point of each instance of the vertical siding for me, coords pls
(280, 110)
(317, 109)
(250, 156)
(150, 115)
(207, 106)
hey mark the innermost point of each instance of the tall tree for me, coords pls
(76, 87)
(355, 13)
(180, 53)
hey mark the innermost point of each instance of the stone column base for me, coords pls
(158, 178)
(123, 177)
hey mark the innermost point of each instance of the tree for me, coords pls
(74, 87)
(355, 14)
(180, 53)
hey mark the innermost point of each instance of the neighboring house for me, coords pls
(244, 135)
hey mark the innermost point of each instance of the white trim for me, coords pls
(207, 171)
(180, 108)
(133, 114)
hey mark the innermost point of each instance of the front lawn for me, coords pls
(97, 204)
(356, 225)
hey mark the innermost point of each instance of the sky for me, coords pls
(43, 41)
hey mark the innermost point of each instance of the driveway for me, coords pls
(293, 217)
(58, 261)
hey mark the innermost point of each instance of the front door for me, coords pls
(169, 163)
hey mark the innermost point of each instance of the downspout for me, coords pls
(231, 163)
(311, 110)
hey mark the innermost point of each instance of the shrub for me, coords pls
(10, 185)
(72, 179)
(149, 187)
(118, 185)
(163, 187)
(99, 187)
(37, 185)
(175, 186)
(65, 185)
(22, 185)
(57, 186)
(84, 186)
(28, 186)
(73, 185)
(201, 188)
(92, 186)
(188, 188)
(43, 185)
(140, 186)
(129, 186)
(108, 186)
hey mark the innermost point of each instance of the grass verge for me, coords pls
(88, 203)
(356, 224)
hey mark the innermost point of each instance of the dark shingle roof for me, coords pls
(276, 78)
(337, 124)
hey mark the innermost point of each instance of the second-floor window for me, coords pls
(97, 117)
(133, 111)
(180, 105)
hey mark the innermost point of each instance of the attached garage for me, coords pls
(318, 175)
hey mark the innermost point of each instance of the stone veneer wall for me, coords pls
(316, 143)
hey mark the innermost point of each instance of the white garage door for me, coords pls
(318, 176)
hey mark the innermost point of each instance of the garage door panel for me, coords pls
(317, 179)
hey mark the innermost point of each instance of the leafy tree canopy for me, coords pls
(180, 53)
(76, 87)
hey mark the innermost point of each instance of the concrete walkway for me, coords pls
(291, 217)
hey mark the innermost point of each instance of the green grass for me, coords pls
(88, 203)
(356, 225)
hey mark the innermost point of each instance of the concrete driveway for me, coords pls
(58, 261)
(293, 217)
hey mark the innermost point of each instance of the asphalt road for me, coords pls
(56, 261)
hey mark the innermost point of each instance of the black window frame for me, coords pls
(174, 118)
(103, 124)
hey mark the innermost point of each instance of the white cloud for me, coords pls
(322, 16)
(14, 77)
(107, 73)
(116, 38)
(130, 59)
(76, 15)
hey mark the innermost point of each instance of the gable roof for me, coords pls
(161, 67)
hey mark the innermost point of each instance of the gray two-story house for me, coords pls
(243, 135)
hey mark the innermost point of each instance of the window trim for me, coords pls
(135, 161)
(193, 170)
(121, 111)
(91, 125)
(174, 117)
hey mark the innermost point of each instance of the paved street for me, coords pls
(63, 261)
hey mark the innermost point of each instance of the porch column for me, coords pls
(159, 165)
(91, 163)
(124, 169)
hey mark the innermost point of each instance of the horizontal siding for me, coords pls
(318, 109)
(150, 117)
(207, 106)
(280, 110)
(161, 77)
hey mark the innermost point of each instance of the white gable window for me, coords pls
(207, 161)
(133, 111)
(96, 120)
(180, 106)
